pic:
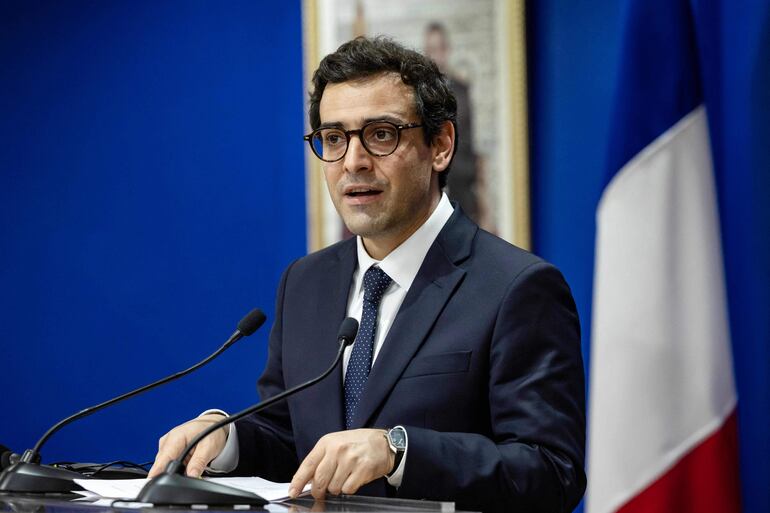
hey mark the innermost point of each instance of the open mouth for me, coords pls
(362, 193)
(367, 192)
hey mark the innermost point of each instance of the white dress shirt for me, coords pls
(402, 265)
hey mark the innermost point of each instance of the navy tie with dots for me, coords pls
(376, 282)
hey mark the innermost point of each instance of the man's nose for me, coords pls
(357, 158)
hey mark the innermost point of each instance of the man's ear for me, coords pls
(443, 147)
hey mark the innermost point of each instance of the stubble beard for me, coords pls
(365, 224)
(386, 220)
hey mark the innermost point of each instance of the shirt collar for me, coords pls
(403, 263)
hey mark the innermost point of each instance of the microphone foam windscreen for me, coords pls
(251, 322)
(348, 330)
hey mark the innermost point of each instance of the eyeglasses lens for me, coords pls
(329, 143)
(379, 139)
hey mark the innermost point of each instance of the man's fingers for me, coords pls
(354, 481)
(203, 453)
(158, 464)
(341, 474)
(306, 470)
(323, 475)
(343, 462)
(301, 477)
(162, 459)
(196, 465)
(157, 467)
(170, 447)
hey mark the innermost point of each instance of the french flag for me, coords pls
(662, 411)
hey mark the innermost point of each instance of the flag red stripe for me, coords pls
(705, 479)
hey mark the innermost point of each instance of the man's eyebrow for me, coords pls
(336, 124)
(333, 124)
(392, 119)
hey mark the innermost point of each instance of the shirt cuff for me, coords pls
(227, 460)
(396, 477)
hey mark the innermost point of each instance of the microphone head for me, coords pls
(251, 322)
(348, 331)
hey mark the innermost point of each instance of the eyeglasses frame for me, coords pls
(358, 131)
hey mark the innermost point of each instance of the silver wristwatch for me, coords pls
(397, 441)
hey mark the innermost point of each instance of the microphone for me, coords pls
(28, 476)
(173, 488)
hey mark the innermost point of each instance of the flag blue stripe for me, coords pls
(658, 78)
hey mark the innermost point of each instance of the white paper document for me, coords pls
(128, 489)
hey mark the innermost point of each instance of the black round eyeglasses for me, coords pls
(379, 139)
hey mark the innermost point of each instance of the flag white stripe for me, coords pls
(661, 371)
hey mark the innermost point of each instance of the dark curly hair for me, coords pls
(365, 57)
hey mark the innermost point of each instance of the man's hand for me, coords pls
(344, 461)
(171, 445)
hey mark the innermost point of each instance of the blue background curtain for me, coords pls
(151, 193)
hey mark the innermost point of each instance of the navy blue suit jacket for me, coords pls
(482, 365)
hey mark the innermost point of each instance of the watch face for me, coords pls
(397, 438)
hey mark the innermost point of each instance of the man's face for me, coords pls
(383, 199)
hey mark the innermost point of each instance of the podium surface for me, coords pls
(349, 504)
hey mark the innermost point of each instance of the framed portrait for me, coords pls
(480, 46)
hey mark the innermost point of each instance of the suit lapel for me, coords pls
(433, 286)
(335, 281)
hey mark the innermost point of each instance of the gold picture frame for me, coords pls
(496, 32)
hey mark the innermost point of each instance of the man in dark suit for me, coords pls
(465, 382)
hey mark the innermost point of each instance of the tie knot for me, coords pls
(376, 282)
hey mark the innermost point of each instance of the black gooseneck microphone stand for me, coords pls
(172, 488)
(29, 476)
